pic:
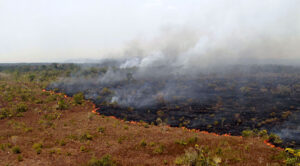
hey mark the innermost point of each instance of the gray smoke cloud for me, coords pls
(241, 32)
(247, 32)
(205, 61)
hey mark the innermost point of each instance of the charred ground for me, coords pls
(224, 100)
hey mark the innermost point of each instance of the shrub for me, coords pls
(166, 162)
(16, 150)
(197, 156)
(38, 151)
(2, 147)
(55, 150)
(31, 77)
(22, 107)
(104, 161)
(62, 105)
(28, 129)
(82, 149)
(159, 149)
(4, 113)
(263, 133)
(151, 143)
(146, 125)
(37, 147)
(273, 138)
(248, 133)
(20, 158)
(78, 98)
(181, 142)
(86, 136)
(101, 129)
(62, 142)
(192, 140)
(143, 143)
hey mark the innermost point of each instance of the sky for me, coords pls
(63, 30)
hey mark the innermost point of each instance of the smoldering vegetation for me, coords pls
(227, 99)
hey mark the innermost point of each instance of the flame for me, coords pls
(272, 146)
(269, 144)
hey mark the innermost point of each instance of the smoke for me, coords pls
(240, 33)
(222, 35)
(218, 58)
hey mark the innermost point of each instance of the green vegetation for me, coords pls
(78, 98)
(83, 149)
(159, 149)
(62, 105)
(104, 161)
(198, 156)
(190, 140)
(86, 136)
(292, 156)
(16, 149)
(101, 129)
(37, 147)
(143, 143)
(273, 138)
(20, 158)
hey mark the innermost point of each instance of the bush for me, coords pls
(20, 158)
(192, 140)
(197, 156)
(37, 147)
(263, 133)
(181, 142)
(62, 142)
(22, 107)
(159, 149)
(62, 105)
(86, 136)
(101, 129)
(16, 150)
(292, 156)
(4, 113)
(31, 77)
(275, 139)
(143, 143)
(78, 98)
(82, 149)
(104, 161)
(248, 133)
(55, 150)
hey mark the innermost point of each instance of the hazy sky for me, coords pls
(59, 30)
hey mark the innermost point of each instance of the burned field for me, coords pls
(228, 100)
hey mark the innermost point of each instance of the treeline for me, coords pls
(38, 72)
